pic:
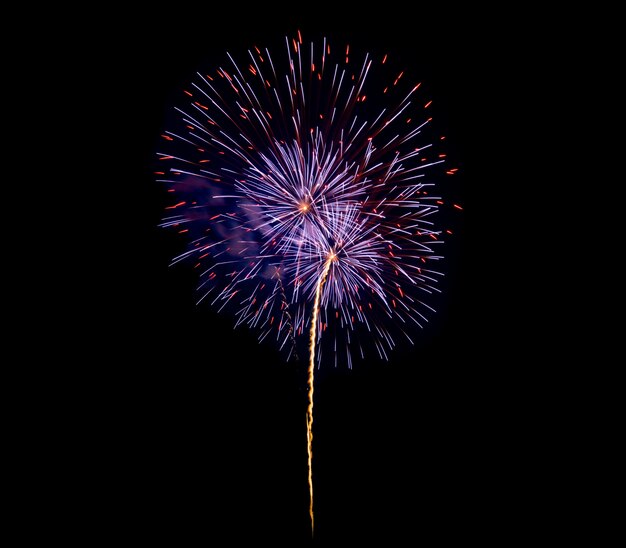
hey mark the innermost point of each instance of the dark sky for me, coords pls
(207, 426)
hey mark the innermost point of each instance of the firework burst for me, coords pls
(305, 186)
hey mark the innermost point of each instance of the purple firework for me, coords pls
(277, 167)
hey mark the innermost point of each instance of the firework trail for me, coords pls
(310, 385)
(308, 204)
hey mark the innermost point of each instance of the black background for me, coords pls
(191, 431)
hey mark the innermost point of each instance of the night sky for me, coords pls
(204, 427)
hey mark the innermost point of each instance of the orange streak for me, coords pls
(176, 205)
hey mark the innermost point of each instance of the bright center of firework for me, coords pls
(332, 256)
(304, 207)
